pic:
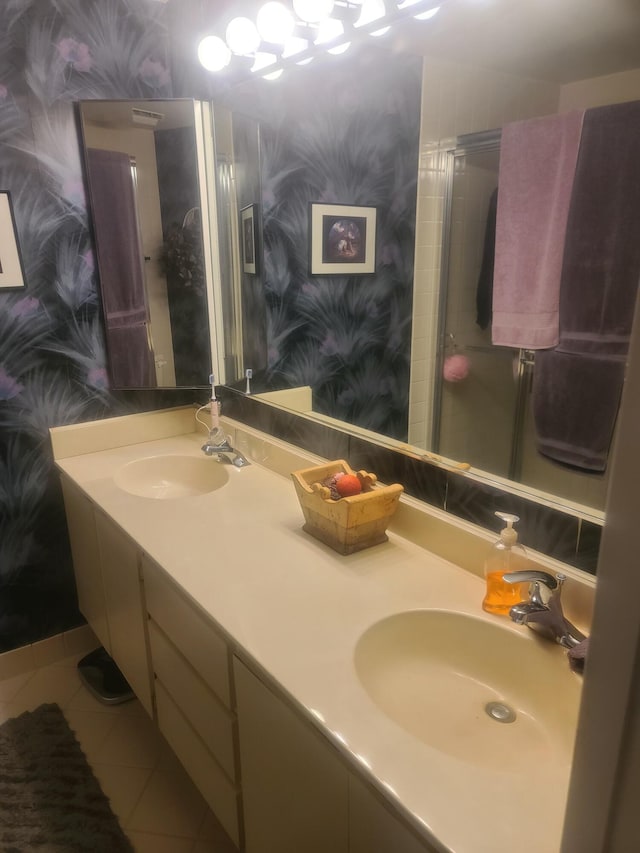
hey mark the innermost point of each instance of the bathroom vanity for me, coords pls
(319, 702)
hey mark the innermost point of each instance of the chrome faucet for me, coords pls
(544, 617)
(218, 444)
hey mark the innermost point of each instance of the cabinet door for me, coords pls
(125, 610)
(294, 788)
(86, 560)
(373, 828)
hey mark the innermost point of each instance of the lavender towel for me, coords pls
(577, 387)
(537, 165)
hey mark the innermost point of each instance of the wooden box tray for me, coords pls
(350, 523)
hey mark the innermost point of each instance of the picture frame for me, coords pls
(248, 219)
(342, 239)
(11, 269)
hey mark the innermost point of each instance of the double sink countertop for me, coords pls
(296, 610)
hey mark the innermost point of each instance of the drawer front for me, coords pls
(208, 716)
(208, 777)
(188, 630)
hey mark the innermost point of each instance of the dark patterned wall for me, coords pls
(346, 132)
(52, 357)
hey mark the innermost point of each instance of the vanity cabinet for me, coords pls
(298, 793)
(295, 789)
(86, 560)
(107, 571)
(194, 707)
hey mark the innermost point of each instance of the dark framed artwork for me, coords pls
(11, 269)
(342, 239)
(248, 217)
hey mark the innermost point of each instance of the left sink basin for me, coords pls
(170, 477)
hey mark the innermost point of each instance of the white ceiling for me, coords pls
(558, 40)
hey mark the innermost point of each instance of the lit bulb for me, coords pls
(424, 16)
(372, 10)
(305, 61)
(213, 53)
(263, 60)
(275, 23)
(273, 75)
(406, 3)
(313, 11)
(242, 36)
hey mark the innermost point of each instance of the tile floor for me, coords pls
(157, 804)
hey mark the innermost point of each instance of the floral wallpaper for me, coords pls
(354, 142)
(52, 356)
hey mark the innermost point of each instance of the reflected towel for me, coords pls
(537, 166)
(575, 402)
(602, 255)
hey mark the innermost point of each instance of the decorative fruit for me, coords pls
(347, 485)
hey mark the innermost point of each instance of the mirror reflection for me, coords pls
(144, 192)
(381, 130)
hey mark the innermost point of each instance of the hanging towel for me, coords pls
(575, 400)
(577, 387)
(484, 290)
(537, 167)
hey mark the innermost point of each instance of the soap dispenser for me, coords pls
(506, 556)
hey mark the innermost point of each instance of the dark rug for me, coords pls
(50, 801)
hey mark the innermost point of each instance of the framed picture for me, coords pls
(248, 217)
(11, 270)
(342, 239)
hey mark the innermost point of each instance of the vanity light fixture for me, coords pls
(292, 32)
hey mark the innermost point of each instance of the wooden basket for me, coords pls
(351, 523)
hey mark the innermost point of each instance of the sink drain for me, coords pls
(500, 712)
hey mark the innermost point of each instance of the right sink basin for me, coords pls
(482, 692)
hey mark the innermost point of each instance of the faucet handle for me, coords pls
(535, 577)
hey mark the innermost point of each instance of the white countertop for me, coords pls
(296, 608)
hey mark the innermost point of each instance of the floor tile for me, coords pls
(132, 742)
(11, 686)
(16, 662)
(170, 805)
(146, 842)
(49, 684)
(91, 729)
(48, 651)
(123, 786)
(212, 837)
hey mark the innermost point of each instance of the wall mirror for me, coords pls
(146, 195)
(371, 350)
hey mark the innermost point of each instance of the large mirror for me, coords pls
(386, 128)
(145, 192)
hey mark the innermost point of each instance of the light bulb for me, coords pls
(381, 32)
(213, 53)
(406, 3)
(372, 10)
(242, 36)
(305, 61)
(263, 60)
(329, 30)
(312, 11)
(424, 16)
(275, 23)
(273, 75)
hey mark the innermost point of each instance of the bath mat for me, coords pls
(50, 801)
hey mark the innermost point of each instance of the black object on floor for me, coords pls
(100, 675)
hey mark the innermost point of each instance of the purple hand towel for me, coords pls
(537, 166)
(577, 387)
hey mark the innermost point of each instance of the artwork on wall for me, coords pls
(342, 239)
(11, 270)
(248, 231)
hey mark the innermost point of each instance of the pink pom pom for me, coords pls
(455, 368)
